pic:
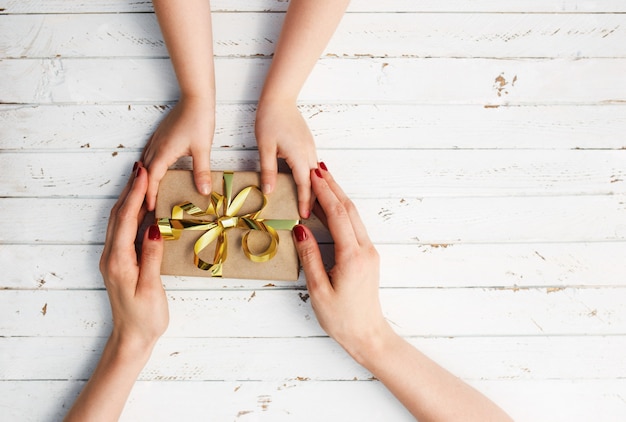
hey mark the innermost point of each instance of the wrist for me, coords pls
(371, 348)
(207, 102)
(274, 99)
(131, 350)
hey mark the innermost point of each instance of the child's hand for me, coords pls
(282, 132)
(187, 130)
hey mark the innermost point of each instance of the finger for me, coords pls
(151, 257)
(337, 216)
(311, 259)
(146, 154)
(360, 230)
(302, 177)
(202, 170)
(127, 216)
(114, 209)
(269, 167)
(320, 214)
(155, 173)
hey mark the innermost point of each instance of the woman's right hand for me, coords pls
(345, 299)
(347, 306)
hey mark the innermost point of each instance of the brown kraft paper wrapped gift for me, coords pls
(177, 187)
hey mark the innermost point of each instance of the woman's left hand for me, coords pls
(138, 304)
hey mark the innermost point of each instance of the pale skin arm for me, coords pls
(347, 305)
(138, 304)
(280, 128)
(189, 128)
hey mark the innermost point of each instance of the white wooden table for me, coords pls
(483, 142)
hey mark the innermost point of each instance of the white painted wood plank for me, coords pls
(412, 312)
(343, 127)
(359, 34)
(313, 401)
(427, 173)
(521, 219)
(550, 265)
(120, 6)
(488, 82)
(186, 359)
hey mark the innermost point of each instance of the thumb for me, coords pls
(311, 260)
(151, 257)
(202, 170)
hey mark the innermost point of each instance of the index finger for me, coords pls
(124, 230)
(155, 174)
(359, 228)
(116, 207)
(337, 215)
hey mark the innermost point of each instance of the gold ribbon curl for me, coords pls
(172, 228)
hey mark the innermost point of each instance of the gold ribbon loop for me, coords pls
(215, 230)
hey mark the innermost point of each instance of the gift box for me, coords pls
(236, 232)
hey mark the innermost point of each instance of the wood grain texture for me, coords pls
(393, 6)
(549, 265)
(298, 400)
(515, 35)
(417, 173)
(412, 312)
(220, 359)
(486, 82)
(334, 126)
(481, 141)
(587, 218)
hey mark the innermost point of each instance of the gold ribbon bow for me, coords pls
(172, 228)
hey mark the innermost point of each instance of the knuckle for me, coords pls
(349, 206)
(372, 253)
(202, 173)
(102, 264)
(307, 255)
(123, 213)
(113, 212)
(339, 210)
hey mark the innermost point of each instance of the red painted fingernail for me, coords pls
(299, 232)
(319, 173)
(137, 171)
(154, 233)
(323, 166)
(135, 165)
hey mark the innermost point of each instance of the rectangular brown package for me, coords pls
(177, 187)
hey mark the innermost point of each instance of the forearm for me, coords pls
(187, 31)
(105, 394)
(308, 26)
(427, 390)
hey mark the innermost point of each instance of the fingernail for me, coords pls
(205, 189)
(323, 166)
(154, 233)
(319, 173)
(137, 171)
(299, 232)
(266, 188)
(135, 165)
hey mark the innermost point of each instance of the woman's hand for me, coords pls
(138, 304)
(347, 306)
(187, 130)
(345, 300)
(281, 132)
